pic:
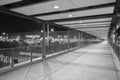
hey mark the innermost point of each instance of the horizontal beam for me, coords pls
(77, 9)
(83, 18)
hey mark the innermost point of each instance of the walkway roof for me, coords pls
(91, 16)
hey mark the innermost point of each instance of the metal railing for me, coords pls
(116, 49)
(62, 42)
(13, 56)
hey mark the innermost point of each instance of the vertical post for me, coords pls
(115, 35)
(119, 53)
(68, 39)
(31, 56)
(52, 45)
(79, 38)
(48, 30)
(47, 37)
(82, 41)
(12, 64)
(44, 44)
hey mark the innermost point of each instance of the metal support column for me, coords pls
(115, 35)
(79, 38)
(48, 31)
(12, 64)
(68, 39)
(44, 43)
(31, 56)
(47, 36)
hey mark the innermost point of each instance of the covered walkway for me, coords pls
(93, 62)
(39, 39)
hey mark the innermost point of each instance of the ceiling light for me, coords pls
(56, 7)
(70, 16)
(80, 21)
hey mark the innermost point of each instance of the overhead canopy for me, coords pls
(3, 2)
(91, 16)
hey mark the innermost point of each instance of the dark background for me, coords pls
(14, 24)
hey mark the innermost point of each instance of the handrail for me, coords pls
(116, 49)
(13, 56)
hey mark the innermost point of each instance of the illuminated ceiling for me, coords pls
(91, 16)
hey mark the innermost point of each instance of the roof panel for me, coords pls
(90, 26)
(79, 13)
(44, 7)
(83, 3)
(95, 29)
(4, 2)
(103, 23)
(99, 32)
(47, 7)
(85, 21)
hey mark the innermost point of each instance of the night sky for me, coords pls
(10, 23)
(13, 24)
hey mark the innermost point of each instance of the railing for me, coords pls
(116, 49)
(10, 57)
(34, 46)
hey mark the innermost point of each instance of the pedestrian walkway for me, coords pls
(93, 62)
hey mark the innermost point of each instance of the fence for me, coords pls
(116, 49)
(30, 46)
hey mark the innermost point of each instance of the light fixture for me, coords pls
(80, 21)
(52, 30)
(41, 31)
(3, 33)
(70, 15)
(56, 7)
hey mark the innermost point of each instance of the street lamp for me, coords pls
(41, 31)
(3, 33)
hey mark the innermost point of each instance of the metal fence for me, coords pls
(116, 49)
(29, 46)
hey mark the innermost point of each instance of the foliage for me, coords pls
(8, 44)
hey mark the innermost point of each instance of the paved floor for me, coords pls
(93, 62)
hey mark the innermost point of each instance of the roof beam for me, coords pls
(77, 9)
(83, 18)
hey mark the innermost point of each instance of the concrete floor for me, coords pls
(94, 62)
